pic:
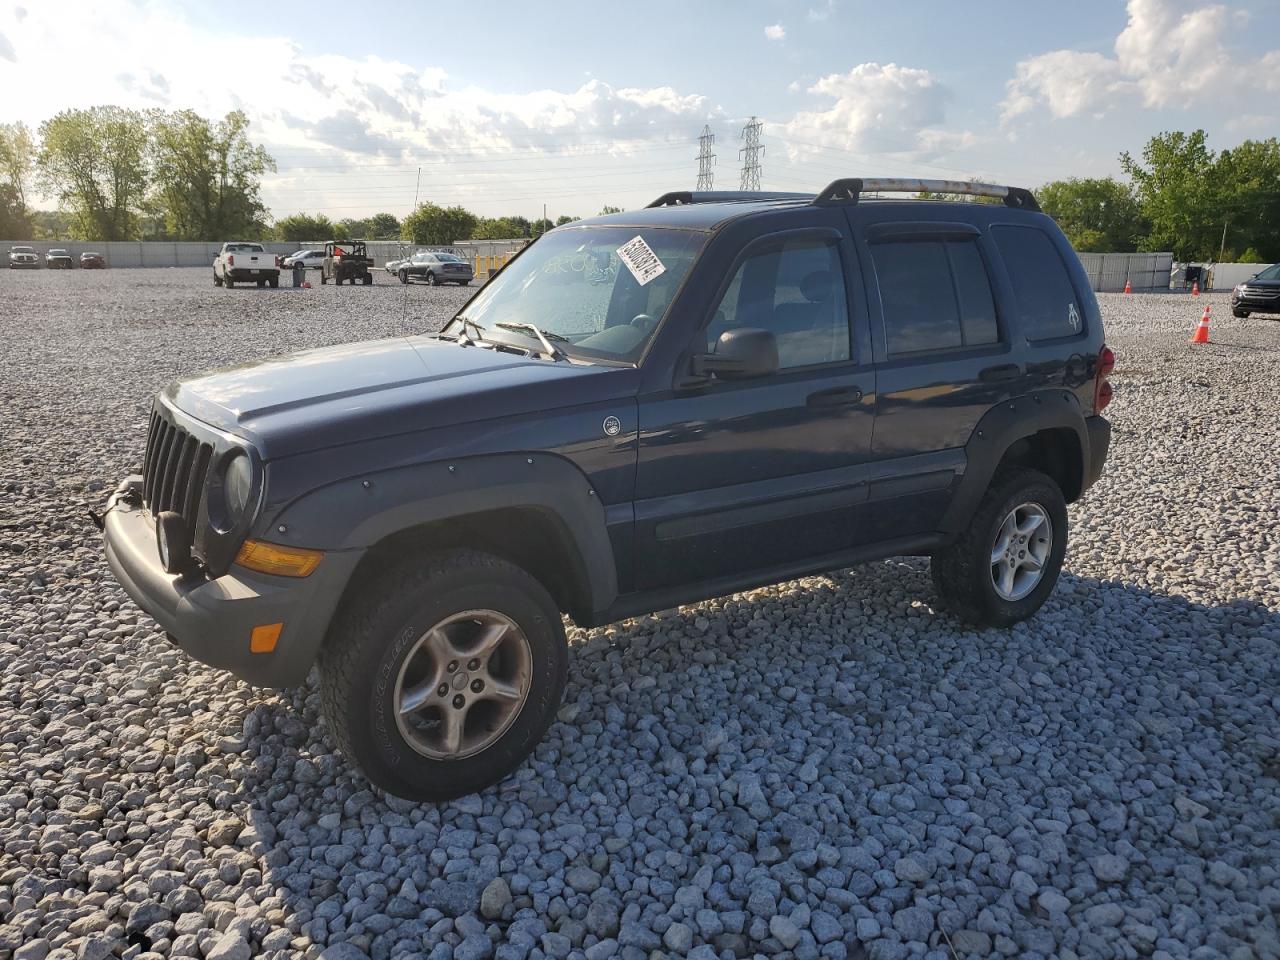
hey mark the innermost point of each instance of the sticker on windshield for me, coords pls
(641, 260)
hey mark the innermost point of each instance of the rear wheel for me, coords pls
(1005, 565)
(217, 280)
(324, 277)
(404, 276)
(274, 281)
(228, 282)
(443, 675)
(261, 284)
(367, 279)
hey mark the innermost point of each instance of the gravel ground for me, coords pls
(822, 768)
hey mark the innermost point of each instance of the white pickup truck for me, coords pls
(245, 262)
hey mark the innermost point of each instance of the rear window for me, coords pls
(935, 294)
(1046, 301)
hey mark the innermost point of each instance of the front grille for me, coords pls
(1259, 293)
(174, 471)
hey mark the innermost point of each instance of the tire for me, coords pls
(963, 571)
(431, 279)
(367, 279)
(464, 283)
(323, 278)
(261, 284)
(274, 282)
(1240, 314)
(386, 630)
(404, 276)
(217, 280)
(228, 282)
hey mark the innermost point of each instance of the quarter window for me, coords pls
(936, 295)
(795, 291)
(1047, 304)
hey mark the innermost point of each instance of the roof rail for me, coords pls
(679, 198)
(849, 189)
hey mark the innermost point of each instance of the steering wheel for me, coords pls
(642, 321)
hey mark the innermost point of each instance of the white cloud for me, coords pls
(876, 108)
(775, 31)
(1171, 52)
(818, 14)
(323, 108)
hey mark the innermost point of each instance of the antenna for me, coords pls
(706, 159)
(750, 154)
(404, 300)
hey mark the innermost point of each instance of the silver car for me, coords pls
(310, 259)
(23, 258)
(436, 267)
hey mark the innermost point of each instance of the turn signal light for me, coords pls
(281, 561)
(263, 638)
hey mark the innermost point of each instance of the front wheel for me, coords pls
(431, 279)
(1240, 314)
(324, 278)
(441, 677)
(217, 280)
(1005, 565)
(404, 276)
(367, 279)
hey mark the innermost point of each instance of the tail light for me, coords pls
(278, 264)
(1102, 392)
(231, 260)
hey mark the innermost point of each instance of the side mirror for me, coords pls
(741, 354)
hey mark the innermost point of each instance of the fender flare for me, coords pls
(357, 512)
(999, 429)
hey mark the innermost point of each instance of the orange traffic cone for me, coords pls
(1195, 288)
(1128, 287)
(306, 284)
(1202, 331)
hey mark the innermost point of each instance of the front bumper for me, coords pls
(24, 264)
(212, 619)
(1255, 303)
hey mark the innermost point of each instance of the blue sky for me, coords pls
(507, 106)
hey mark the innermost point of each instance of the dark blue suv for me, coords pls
(641, 410)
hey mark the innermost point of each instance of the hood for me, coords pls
(362, 391)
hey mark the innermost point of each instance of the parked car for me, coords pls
(1259, 294)
(310, 260)
(391, 266)
(23, 258)
(346, 260)
(245, 262)
(58, 259)
(93, 261)
(640, 410)
(434, 268)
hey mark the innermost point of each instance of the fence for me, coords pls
(1227, 275)
(486, 255)
(1145, 272)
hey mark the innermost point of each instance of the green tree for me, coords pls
(207, 176)
(305, 228)
(1251, 256)
(1098, 215)
(95, 162)
(562, 220)
(52, 225)
(1248, 178)
(608, 209)
(432, 224)
(383, 226)
(17, 157)
(1177, 194)
(539, 227)
(352, 229)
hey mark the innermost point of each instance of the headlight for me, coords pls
(237, 485)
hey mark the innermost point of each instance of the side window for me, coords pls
(936, 295)
(1047, 304)
(797, 292)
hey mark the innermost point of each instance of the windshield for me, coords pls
(1271, 273)
(24, 250)
(57, 253)
(244, 248)
(576, 288)
(448, 258)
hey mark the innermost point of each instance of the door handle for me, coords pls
(1003, 371)
(835, 397)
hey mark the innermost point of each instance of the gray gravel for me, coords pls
(825, 768)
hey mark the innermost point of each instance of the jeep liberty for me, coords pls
(640, 410)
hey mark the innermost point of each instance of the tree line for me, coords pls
(122, 174)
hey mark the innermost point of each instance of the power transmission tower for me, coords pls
(706, 159)
(750, 154)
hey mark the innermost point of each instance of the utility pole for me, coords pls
(706, 159)
(1222, 248)
(750, 154)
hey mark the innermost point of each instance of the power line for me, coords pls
(750, 154)
(706, 159)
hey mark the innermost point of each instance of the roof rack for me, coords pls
(679, 198)
(849, 189)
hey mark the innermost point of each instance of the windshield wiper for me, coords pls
(552, 351)
(465, 337)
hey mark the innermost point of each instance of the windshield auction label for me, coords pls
(641, 260)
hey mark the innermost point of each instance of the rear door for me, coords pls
(749, 475)
(943, 350)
